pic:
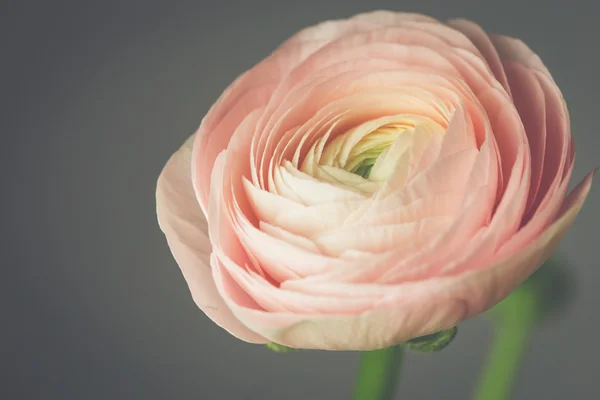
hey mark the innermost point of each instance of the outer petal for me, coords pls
(333, 29)
(483, 43)
(185, 227)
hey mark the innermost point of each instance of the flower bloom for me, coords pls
(373, 180)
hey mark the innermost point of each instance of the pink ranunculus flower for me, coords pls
(373, 180)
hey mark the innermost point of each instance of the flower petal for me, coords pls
(186, 230)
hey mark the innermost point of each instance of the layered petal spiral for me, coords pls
(373, 180)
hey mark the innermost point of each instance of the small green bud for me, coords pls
(279, 348)
(434, 342)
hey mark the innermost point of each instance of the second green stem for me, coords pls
(514, 323)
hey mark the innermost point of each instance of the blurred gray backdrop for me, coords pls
(97, 95)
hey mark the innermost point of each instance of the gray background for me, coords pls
(97, 95)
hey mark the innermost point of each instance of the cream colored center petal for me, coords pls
(365, 156)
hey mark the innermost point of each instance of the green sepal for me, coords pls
(434, 342)
(279, 348)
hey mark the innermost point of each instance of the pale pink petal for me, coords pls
(513, 265)
(558, 138)
(186, 230)
(464, 236)
(512, 145)
(267, 206)
(308, 221)
(311, 191)
(481, 39)
(449, 173)
(460, 135)
(443, 204)
(530, 102)
(283, 260)
(452, 37)
(543, 217)
(419, 163)
(288, 237)
(380, 238)
(514, 49)
(330, 30)
(270, 298)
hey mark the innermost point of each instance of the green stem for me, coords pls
(377, 373)
(515, 321)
